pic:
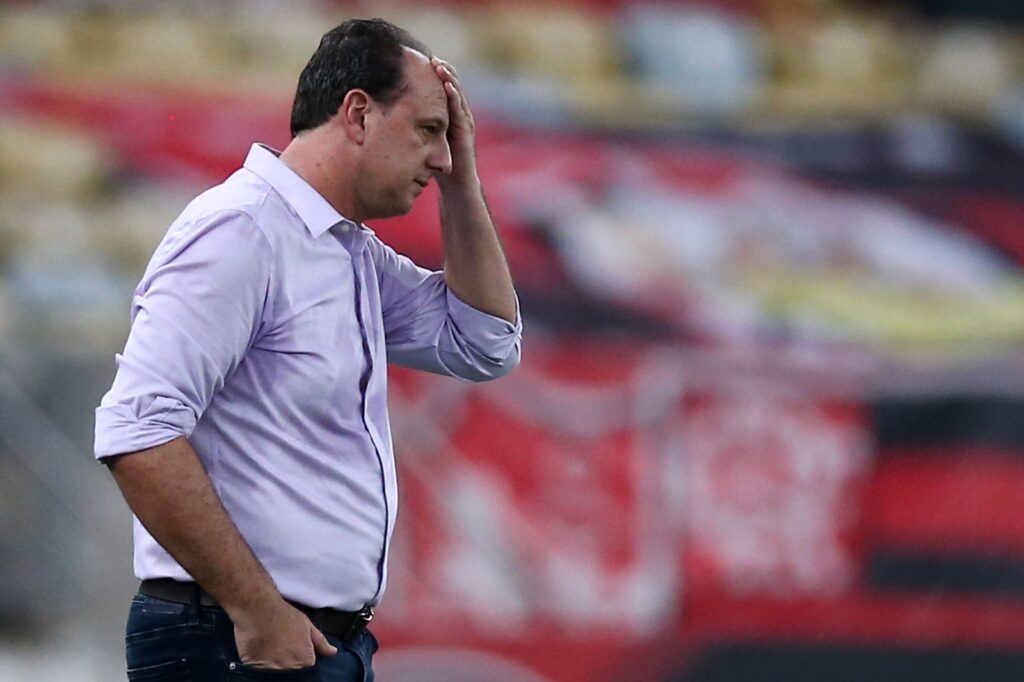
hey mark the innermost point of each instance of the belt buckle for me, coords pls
(361, 619)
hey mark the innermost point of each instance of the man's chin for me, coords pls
(404, 206)
(394, 210)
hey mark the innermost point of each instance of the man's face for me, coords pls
(406, 145)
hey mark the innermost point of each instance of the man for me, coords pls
(247, 425)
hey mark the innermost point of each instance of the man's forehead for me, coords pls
(422, 80)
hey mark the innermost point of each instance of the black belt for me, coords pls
(344, 624)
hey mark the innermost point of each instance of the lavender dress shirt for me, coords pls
(260, 332)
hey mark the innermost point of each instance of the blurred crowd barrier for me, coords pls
(770, 419)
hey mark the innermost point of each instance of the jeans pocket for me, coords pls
(240, 671)
(169, 671)
(149, 618)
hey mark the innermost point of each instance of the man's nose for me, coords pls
(440, 159)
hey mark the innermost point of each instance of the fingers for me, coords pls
(461, 127)
(458, 104)
(444, 66)
(455, 99)
(320, 643)
(446, 72)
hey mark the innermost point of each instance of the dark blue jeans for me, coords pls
(166, 641)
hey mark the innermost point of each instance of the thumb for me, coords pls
(320, 643)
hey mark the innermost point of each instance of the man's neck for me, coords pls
(318, 161)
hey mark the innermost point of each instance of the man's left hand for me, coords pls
(461, 131)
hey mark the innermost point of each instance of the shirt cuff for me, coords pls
(493, 336)
(120, 429)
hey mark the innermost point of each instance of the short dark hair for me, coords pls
(359, 53)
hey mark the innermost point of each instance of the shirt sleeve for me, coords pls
(427, 327)
(194, 315)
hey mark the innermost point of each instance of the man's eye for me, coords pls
(430, 129)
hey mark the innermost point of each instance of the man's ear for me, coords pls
(353, 112)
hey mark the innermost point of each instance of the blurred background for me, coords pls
(770, 419)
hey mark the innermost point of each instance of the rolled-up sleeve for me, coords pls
(428, 327)
(195, 313)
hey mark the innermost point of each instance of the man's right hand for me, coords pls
(279, 638)
(269, 632)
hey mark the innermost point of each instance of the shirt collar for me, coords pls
(318, 215)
